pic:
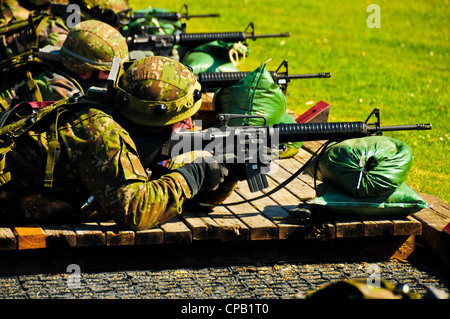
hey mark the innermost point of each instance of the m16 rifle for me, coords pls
(164, 44)
(214, 80)
(255, 146)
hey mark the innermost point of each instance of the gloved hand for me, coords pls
(205, 173)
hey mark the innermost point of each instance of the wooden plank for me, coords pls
(115, 236)
(406, 248)
(60, 235)
(271, 209)
(378, 228)
(176, 232)
(277, 208)
(407, 226)
(292, 165)
(291, 226)
(89, 234)
(346, 229)
(297, 187)
(150, 236)
(232, 228)
(261, 228)
(7, 239)
(30, 237)
(302, 156)
(433, 223)
(201, 225)
(312, 146)
(440, 207)
(282, 197)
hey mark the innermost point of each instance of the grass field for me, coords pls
(401, 67)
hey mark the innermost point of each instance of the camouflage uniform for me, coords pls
(47, 86)
(12, 11)
(48, 30)
(90, 45)
(99, 158)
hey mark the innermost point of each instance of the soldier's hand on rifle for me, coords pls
(236, 170)
(205, 173)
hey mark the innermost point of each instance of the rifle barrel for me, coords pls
(309, 76)
(275, 35)
(412, 127)
(212, 15)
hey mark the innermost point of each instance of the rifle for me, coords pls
(255, 146)
(172, 16)
(162, 44)
(214, 80)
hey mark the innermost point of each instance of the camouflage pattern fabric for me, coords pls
(97, 158)
(47, 86)
(114, 5)
(91, 45)
(12, 10)
(51, 31)
(6, 15)
(157, 79)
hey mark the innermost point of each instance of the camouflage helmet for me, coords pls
(157, 91)
(91, 45)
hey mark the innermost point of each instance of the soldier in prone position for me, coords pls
(98, 156)
(85, 58)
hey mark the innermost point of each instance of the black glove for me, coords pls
(203, 174)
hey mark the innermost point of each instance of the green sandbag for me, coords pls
(210, 57)
(256, 94)
(337, 204)
(364, 167)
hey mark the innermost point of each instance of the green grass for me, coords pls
(401, 68)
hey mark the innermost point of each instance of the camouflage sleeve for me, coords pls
(105, 158)
(52, 31)
(46, 86)
(54, 87)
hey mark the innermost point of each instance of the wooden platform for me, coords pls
(269, 229)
